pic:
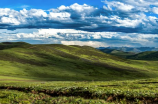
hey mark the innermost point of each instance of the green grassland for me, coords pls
(118, 53)
(80, 92)
(149, 55)
(61, 62)
(56, 74)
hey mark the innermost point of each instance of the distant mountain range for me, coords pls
(131, 49)
(117, 52)
(142, 53)
(148, 55)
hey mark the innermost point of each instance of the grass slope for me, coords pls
(150, 55)
(117, 52)
(68, 63)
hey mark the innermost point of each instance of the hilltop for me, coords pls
(117, 52)
(63, 62)
(149, 55)
(131, 49)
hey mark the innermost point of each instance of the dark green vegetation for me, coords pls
(150, 55)
(7, 45)
(80, 74)
(131, 49)
(61, 92)
(117, 52)
(37, 97)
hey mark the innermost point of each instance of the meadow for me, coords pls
(79, 92)
(57, 74)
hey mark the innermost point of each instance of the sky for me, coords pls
(96, 23)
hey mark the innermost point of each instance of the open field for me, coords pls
(78, 92)
(52, 74)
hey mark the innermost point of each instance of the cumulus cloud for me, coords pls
(114, 16)
(85, 43)
(76, 37)
(155, 10)
(139, 3)
(119, 6)
(117, 23)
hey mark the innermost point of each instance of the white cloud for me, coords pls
(119, 6)
(140, 3)
(128, 5)
(63, 7)
(155, 10)
(10, 20)
(92, 26)
(82, 17)
(128, 23)
(119, 21)
(153, 19)
(60, 16)
(85, 43)
(33, 13)
(75, 37)
(6, 11)
(78, 8)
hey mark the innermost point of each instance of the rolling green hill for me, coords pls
(131, 49)
(150, 55)
(117, 52)
(54, 73)
(61, 62)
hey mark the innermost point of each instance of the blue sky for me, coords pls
(97, 23)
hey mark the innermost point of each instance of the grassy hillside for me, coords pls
(77, 68)
(150, 55)
(117, 52)
(61, 62)
(132, 49)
